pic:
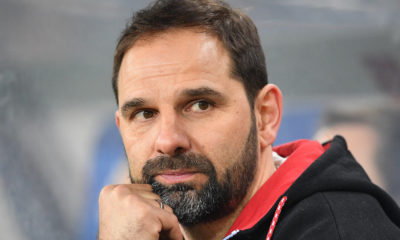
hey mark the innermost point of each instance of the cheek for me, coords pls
(223, 144)
(136, 148)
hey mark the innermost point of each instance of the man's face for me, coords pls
(185, 122)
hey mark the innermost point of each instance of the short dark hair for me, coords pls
(234, 29)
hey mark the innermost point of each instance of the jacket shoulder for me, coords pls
(359, 215)
(336, 216)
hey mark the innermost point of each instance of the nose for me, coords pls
(171, 138)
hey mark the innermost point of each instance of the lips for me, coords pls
(176, 176)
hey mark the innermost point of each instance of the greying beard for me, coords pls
(215, 199)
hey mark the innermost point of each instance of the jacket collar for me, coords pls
(300, 155)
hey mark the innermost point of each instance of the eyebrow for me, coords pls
(133, 103)
(202, 91)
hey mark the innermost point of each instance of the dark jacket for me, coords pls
(330, 198)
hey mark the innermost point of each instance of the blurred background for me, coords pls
(336, 61)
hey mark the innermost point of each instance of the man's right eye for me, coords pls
(143, 115)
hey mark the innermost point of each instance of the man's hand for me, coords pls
(131, 211)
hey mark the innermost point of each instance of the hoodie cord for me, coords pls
(276, 216)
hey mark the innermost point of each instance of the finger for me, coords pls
(170, 226)
(159, 201)
(141, 187)
(168, 208)
(149, 196)
(144, 190)
(126, 188)
(160, 204)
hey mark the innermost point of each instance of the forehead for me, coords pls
(175, 45)
(174, 57)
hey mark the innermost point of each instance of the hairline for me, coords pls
(155, 33)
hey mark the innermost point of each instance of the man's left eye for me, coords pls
(200, 106)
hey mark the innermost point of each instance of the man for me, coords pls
(198, 120)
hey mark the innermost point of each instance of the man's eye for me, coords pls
(200, 106)
(143, 115)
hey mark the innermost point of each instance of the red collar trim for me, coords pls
(300, 155)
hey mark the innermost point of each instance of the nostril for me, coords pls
(179, 150)
(159, 151)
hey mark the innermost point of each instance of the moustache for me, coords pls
(197, 162)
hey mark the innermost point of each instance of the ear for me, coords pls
(268, 112)
(117, 118)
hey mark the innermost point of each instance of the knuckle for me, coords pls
(105, 192)
(119, 190)
(174, 219)
(143, 210)
(106, 189)
(142, 214)
(132, 199)
(169, 209)
(113, 192)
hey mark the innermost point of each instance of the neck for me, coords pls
(217, 229)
